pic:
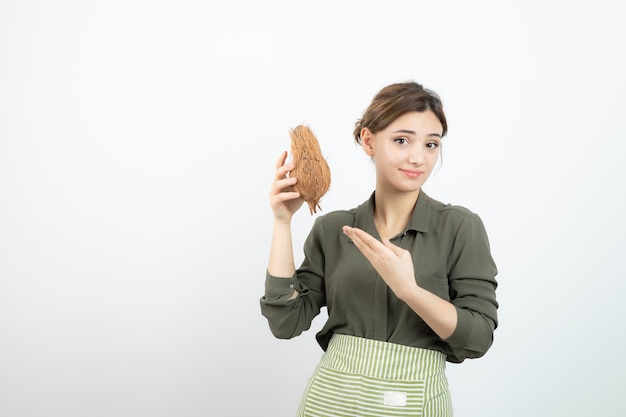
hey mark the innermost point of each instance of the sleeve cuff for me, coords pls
(276, 287)
(463, 328)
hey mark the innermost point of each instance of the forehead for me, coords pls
(420, 123)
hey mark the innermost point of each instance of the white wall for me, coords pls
(137, 144)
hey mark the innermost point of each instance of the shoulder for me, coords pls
(450, 210)
(452, 214)
(462, 229)
(336, 218)
(326, 230)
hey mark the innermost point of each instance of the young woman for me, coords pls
(408, 281)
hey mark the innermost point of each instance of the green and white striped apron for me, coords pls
(369, 378)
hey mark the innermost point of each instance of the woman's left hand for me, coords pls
(395, 266)
(392, 263)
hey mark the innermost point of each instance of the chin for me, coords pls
(408, 190)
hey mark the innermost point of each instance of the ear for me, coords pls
(367, 141)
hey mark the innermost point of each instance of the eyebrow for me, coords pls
(410, 132)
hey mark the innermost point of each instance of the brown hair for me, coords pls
(396, 100)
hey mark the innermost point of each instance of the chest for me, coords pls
(350, 272)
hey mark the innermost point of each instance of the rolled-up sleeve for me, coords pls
(288, 317)
(472, 290)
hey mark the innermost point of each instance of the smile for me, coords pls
(413, 173)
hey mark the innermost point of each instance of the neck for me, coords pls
(392, 212)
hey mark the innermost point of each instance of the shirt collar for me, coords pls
(364, 218)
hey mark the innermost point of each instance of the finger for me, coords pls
(287, 182)
(286, 196)
(284, 170)
(376, 244)
(365, 250)
(370, 247)
(394, 248)
(362, 236)
(357, 236)
(283, 167)
(281, 159)
(374, 250)
(283, 184)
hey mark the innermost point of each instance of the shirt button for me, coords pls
(290, 285)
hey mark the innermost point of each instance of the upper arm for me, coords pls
(472, 282)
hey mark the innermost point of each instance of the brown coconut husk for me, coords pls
(310, 169)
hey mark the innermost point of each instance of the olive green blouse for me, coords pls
(451, 257)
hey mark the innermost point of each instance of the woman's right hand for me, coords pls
(284, 201)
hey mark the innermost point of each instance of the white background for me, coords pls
(137, 145)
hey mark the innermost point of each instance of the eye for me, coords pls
(401, 141)
(432, 145)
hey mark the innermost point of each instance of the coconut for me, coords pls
(310, 167)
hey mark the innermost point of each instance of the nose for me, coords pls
(417, 156)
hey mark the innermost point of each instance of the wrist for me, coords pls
(410, 292)
(281, 222)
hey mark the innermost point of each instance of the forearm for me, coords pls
(439, 314)
(281, 262)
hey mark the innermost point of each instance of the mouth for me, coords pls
(413, 173)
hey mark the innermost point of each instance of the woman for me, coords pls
(408, 281)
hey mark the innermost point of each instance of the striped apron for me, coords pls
(369, 378)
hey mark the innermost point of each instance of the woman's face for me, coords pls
(406, 152)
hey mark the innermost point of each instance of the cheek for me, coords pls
(385, 162)
(391, 155)
(434, 157)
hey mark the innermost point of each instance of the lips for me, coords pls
(413, 173)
